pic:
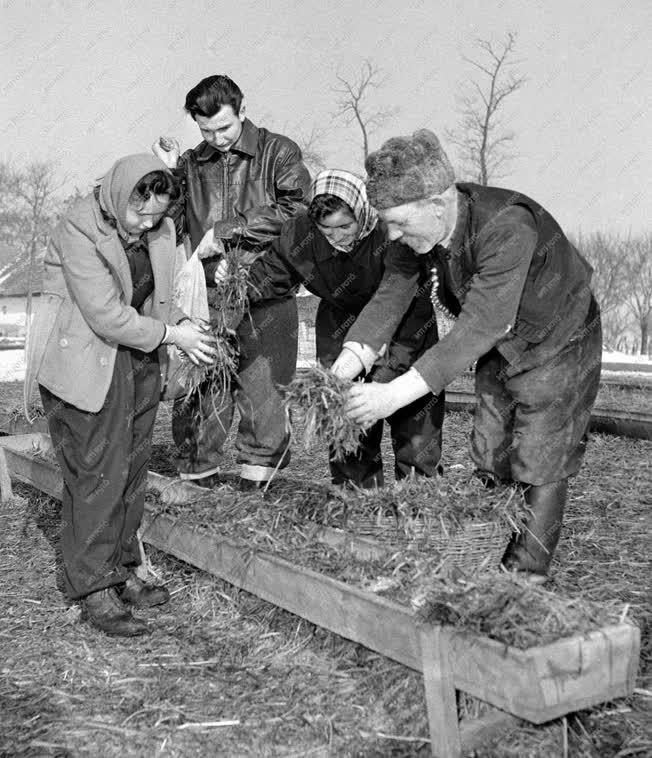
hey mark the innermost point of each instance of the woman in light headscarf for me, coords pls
(339, 251)
(94, 351)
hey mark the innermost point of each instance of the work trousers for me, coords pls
(104, 458)
(415, 429)
(532, 427)
(268, 355)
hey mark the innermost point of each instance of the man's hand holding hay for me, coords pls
(319, 398)
(370, 401)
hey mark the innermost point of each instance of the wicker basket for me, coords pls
(473, 545)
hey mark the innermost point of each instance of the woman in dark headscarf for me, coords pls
(337, 250)
(94, 351)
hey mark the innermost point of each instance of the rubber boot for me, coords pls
(532, 550)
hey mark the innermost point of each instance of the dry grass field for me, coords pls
(225, 674)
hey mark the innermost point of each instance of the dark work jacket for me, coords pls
(506, 253)
(558, 275)
(345, 282)
(257, 185)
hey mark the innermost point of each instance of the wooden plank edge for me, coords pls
(44, 475)
(181, 491)
(439, 686)
(622, 424)
(20, 425)
(377, 623)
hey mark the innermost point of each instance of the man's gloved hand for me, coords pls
(228, 228)
(347, 365)
(367, 402)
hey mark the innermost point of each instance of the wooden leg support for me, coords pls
(6, 493)
(142, 570)
(440, 693)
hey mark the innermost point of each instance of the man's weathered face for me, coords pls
(418, 225)
(223, 129)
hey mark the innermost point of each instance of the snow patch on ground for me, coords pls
(12, 363)
(615, 357)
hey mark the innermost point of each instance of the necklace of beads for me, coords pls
(445, 317)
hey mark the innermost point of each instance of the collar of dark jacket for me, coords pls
(247, 143)
(460, 228)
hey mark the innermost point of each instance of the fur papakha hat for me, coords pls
(406, 169)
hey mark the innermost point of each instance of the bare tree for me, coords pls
(28, 210)
(484, 143)
(609, 282)
(311, 150)
(354, 102)
(11, 218)
(36, 188)
(638, 293)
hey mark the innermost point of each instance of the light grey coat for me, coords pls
(84, 311)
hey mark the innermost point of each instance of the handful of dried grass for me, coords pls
(228, 305)
(510, 610)
(319, 397)
(228, 299)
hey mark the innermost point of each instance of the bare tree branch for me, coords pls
(637, 254)
(29, 205)
(609, 282)
(483, 145)
(353, 105)
(311, 149)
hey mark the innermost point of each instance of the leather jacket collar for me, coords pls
(247, 143)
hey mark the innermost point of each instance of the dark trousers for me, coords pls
(416, 441)
(104, 458)
(416, 428)
(532, 427)
(268, 357)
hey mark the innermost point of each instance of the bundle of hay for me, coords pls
(228, 305)
(318, 398)
(508, 609)
(228, 300)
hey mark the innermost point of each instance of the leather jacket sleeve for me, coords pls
(261, 223)
(272, 277)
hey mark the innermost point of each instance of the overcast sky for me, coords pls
(87, 82)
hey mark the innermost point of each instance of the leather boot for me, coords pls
(142, 595)
(532, 550)
(105, 611)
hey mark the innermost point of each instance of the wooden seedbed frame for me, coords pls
(604, 420)
(537, 685)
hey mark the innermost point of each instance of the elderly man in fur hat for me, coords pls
(515, 296)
